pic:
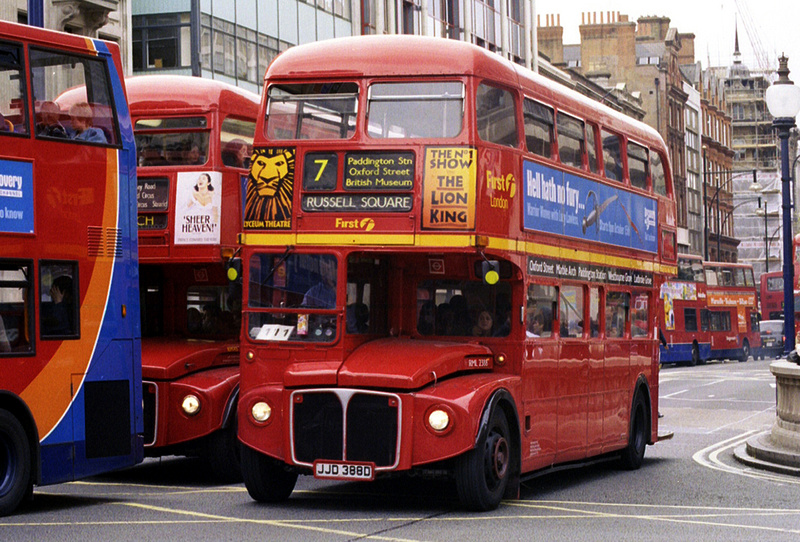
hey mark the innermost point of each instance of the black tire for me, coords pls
(15, 463)
(266, 479)
(483, 473)
(745, 351)
(222, 455)
(633, 454)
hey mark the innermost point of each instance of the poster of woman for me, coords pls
(197, 214)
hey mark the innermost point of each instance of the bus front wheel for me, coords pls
(483, 473)
(266, 479)
(15, 463)
(633, 454)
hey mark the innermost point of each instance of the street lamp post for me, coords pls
(783, 102)
(766, 235)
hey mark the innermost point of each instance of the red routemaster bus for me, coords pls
(70, 366)
(732, 300)
(451, 265)
(682, 314)
(771, 295)
(194, 137)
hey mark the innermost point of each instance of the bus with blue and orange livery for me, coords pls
(70, 352)
(451, 267)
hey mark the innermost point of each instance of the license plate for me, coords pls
(338, 470)
(768, 342)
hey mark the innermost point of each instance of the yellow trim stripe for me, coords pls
(446, 241)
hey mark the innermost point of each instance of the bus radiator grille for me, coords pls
(371, 421)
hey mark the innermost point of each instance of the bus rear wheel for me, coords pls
(15, 463)
(483, 473)
(633, 454)
(222, 454)
(266, 479)
(745, 351)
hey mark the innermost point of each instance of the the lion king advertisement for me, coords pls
(270, 189)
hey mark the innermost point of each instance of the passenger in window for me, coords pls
(444, 319)
(151, 154)
(426, 323)
(5, 124)
(193, 156)
(50, 123)
(536, 326)
(503, 320)
(357, 317)
(59, 319)
(483, 324)
(323, 294)
(175, 154)
(235, 154)
(194, 320)
(462, 323)
(5, 344)
(83, 124)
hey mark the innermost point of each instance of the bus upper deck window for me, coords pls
(13, 102)
(312, 111)
(612, 155)
(637, 165)
(425, 109)
(539, 122)
(657, 174)
(571, 140)
(497, 116)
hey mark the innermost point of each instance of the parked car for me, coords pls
(771, 338)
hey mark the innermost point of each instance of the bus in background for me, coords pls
(682, 309)
(451, 265)
(194, 137)
(732, 300)
(70, 365)
(771, 295)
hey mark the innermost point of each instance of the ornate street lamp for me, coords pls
(783, 102)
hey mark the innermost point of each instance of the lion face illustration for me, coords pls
(270, 188)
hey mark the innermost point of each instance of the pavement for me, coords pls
(760, 452)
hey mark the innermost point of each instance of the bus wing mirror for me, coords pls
(490, 270)
(233, 269)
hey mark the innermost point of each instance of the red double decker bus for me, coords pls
(70, 353)
(683, 314)
(771, 295)
(732, 318)
(451, 265)
(194, 138)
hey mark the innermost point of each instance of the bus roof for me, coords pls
(44, 37)
(160, 93)
(365, 56)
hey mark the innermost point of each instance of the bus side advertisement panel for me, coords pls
(565, 204)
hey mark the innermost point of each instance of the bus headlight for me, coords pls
(261, 412)
(191, 404)
(439, 420)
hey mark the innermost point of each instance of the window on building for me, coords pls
(161, 41)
